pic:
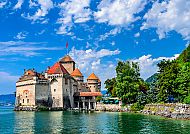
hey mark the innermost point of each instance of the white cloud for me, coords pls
(8, 77)
(112, 32)
(148, 65)
(137, 35)
(21, 35)
(113, 43)
(19, 4)
(119, 12)
(45, 6)
(173, 15)
(7, 82)
(3, 3)
(24, 48)
(73, 11)
(89, 61)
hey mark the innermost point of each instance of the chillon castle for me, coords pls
(62, 86)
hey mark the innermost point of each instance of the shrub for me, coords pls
(187, 100)
(136, 106)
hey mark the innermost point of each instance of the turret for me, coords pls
(92, 82)
(77, 75)
(68, 63)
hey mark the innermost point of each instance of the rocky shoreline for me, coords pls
(171, 110)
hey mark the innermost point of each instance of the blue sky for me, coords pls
(33, 34)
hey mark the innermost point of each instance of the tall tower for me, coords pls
(68, 63)
(92, 82)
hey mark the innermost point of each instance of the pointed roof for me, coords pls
(92, 77)
(66, 58)
(57, 68)
(76, 72)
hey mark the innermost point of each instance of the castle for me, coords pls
(62, 86)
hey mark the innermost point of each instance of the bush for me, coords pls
(136, 107)
(187, 100)
(98, 98)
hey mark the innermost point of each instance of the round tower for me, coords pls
(92, 82)
(77, 75)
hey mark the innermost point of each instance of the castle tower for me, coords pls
(92, 82)
(68, 63)
(77, 75)
(59, 84)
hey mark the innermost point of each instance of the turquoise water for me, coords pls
(87, 123)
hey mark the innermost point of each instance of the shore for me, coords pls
(170, 110)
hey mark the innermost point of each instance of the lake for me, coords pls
(87, 123)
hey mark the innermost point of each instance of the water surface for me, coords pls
(87, 123)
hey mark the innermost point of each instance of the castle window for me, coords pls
(54, 90)
(27, 100)
(66, 81)
(23, 101)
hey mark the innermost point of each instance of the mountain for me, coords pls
(8, 99)
(184, 56)
(152, 78)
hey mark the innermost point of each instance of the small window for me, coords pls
(53, 97)
(54, 90)
(66, 81)
(94, 86)
(27, 100)
(26, 96)
(90, 86)
(23, 101)
(66, 90)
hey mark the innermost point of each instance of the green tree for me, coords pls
(168, 71)
(110, 86)
(127, 81)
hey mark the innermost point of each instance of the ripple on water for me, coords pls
(88, 123)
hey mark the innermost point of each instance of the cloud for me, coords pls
(3, 3)
(166, 16)
(19, 4)
(7, 81)
(137, 35)
(89, 61)
(24, 48)
(112, 32)
(73, 11)
(43, 10)
(119, 12)
(21, 35)
(148, 65)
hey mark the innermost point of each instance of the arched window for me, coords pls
(54, 90)
(23, 101)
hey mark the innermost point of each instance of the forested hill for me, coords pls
(184, 56)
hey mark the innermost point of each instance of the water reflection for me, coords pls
(88, 123)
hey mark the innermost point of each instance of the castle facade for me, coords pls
(62, 86)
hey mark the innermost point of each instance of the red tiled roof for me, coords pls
(30, 74)
(92, 77)
(66, 58)
(76, 72)
(88, 94)
(57, 68)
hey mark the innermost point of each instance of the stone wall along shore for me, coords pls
(169, 110)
